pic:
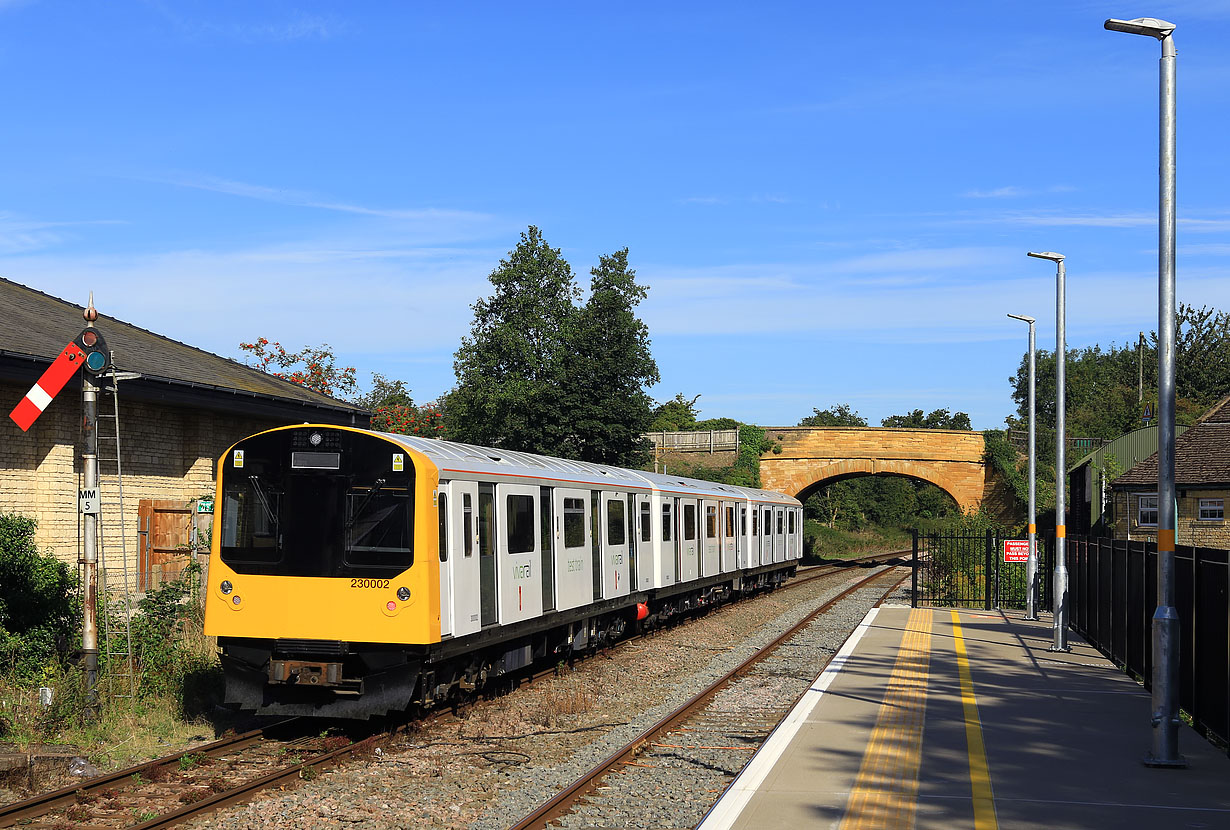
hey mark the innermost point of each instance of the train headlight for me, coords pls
(226, 586)
(403, 594)
(235, 600)
(315, 438)
(392, 606)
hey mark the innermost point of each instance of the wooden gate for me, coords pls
(164, 541)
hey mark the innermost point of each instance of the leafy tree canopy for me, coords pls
(936, 419)
(840, 415)
(312, 366)
(609, 365)
(676, 415)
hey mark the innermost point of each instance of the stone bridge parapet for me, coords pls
(813, 457)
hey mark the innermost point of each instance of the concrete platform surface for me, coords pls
(933, 718)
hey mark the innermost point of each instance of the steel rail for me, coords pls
(559, 806)
(15, 812)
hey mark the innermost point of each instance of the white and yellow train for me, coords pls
(355, 573)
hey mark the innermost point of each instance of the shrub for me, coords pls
(37, 600)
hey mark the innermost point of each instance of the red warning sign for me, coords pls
(1016, 550)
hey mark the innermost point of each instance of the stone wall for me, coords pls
(1189, 528)
(949, 459)
(167, 453)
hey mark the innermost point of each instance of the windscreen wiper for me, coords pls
(354, 517)
(263, 499)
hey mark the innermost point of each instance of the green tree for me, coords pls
(936, 419)
(511, 369)
(609, 366)
(312, 366)
(840, 415)
(676, 415)
(393, 410)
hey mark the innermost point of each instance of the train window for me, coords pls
(520, 518)
(791, 515)
(646, 522)
(779, 521)
(443, 527)
(615, 525)
(378, 529)
(250, 523)
(742, 521)
(666, 523)
(755, 522)
(689, 522)
(730, 521)
(710, 521)
(467, 523)
(574, 523)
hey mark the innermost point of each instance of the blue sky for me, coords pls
(829, 203)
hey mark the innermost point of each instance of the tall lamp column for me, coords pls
(1031, 565)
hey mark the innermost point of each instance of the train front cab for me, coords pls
(324, 574)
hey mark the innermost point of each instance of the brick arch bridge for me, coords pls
(813, 457)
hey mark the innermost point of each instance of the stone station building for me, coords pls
(175, 420)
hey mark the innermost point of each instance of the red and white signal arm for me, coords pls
(88, 349)
(1016, 550)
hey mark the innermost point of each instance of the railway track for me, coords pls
(696, 750)
(182, 786)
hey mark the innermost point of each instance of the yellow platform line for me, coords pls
(979, 772)
(885, 793)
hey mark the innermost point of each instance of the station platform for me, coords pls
(939, 718)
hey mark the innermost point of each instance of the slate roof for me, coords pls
(35, 326)
(1201, 455)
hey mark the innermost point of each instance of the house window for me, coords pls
(1212, 510)
(1146, 511)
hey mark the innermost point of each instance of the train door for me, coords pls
(741, 537)
(710, 559)
(666, 556)
(729, 561)
(574, 577)
(614, 537)
(463, 557)
(792, 536)
(446, 573)
(766, 536)
(520, 583)
(689, 543)
(779, 536)
(644, 564)
(546, 547)
(753, 539)
(488, 604)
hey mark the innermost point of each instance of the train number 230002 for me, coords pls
(369, 583)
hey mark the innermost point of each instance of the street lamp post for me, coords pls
(1165, 719)
(1060, 584)
(1031, 565)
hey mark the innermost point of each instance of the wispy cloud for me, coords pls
(19, 235)
(1014, 192)
(299, 198)
(297, 26)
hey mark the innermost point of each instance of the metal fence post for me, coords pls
(990, 563)
(914, 571)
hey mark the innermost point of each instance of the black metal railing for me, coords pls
(1112, 596)
(970, 572)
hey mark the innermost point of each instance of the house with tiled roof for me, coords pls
(1202, 485)
(179, 408)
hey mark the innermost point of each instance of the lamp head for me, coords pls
(1051, 255)
(1150, 26)
(1023, 318)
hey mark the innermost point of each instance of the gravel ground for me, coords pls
(503, 757)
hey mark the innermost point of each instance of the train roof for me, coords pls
(452, 456)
